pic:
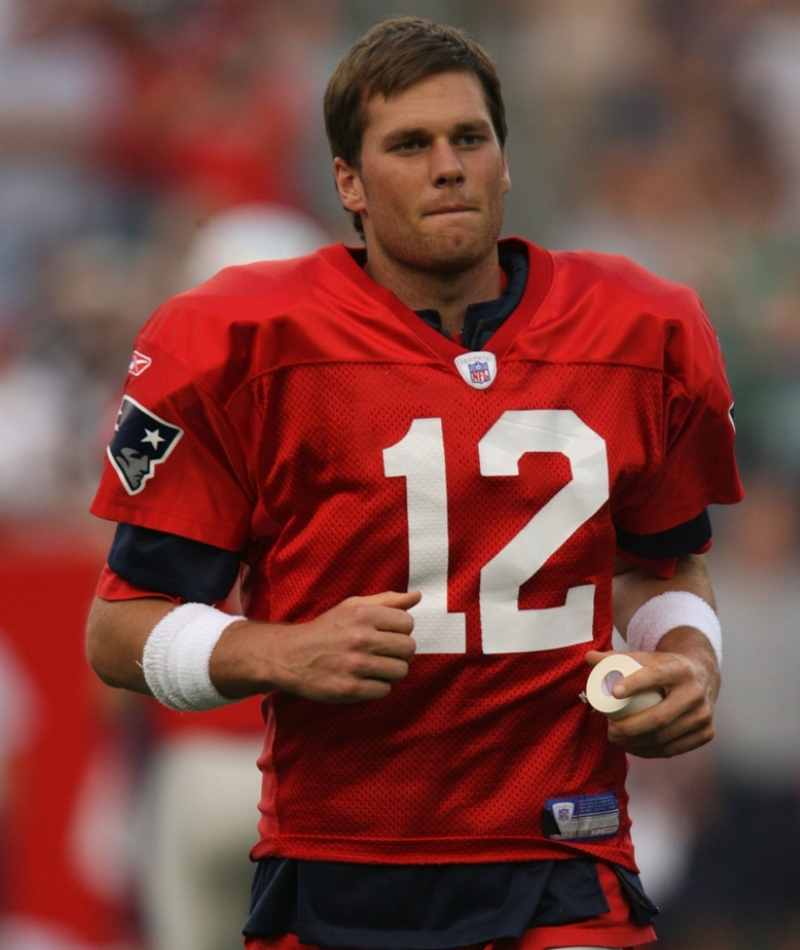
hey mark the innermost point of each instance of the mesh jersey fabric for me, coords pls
(154, 562)
(321, 427)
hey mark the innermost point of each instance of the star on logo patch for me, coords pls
(141, 441)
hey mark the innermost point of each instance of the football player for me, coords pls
(443, 466)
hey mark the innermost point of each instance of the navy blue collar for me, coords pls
(482, 319)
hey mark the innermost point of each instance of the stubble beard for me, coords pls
(445, 253)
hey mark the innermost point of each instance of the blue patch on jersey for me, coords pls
(582, 817)
(141, 440)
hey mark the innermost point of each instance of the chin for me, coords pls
(460, 253)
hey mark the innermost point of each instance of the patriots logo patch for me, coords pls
(141, 441)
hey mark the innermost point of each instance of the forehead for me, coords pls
(440, 100)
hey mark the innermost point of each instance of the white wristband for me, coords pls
(177, 653)
(675, 608)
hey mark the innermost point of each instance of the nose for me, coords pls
(446, 167)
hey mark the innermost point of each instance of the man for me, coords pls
(438, 435)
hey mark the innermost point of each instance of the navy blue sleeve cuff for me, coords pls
(686, 538)
(170, 564)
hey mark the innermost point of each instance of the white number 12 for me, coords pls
(419, 457)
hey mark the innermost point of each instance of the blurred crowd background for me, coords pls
(144, 144)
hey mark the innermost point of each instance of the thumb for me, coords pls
(593, 657)
(390, 598)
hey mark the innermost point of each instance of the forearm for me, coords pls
(115, 637)
(245, 660)
(352, 652)
(679, 659)
(117, 632)
(633, 586)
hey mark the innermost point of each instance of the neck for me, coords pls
(448, 292)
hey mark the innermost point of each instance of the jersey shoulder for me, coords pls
(242, 293)
(234, 326)
(631, 315)
(629, 284)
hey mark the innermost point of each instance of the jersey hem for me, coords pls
(437, 851)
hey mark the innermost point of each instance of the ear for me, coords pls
(349, 185)
(506, 176)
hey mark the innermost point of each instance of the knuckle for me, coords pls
(662, 717)
(354, 666)
(359, 612)
(358, 640)
(705, 720)
(349, 689)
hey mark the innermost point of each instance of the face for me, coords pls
(432, 177)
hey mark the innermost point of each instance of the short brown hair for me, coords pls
(392, 57)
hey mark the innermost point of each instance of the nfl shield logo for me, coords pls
(479, 370)
(563, 811)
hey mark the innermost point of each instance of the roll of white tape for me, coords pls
(601, 681)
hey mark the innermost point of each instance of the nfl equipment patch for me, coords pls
(581, 817)
(478, 369)
(141, 440)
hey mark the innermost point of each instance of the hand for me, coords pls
(354, 652)
(684, 668)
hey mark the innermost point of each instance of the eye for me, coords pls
(409, 145)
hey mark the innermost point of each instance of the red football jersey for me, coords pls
(300, 412)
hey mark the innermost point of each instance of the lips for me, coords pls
(450, 209)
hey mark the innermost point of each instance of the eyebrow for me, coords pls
(422, 132)
(402, 135)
